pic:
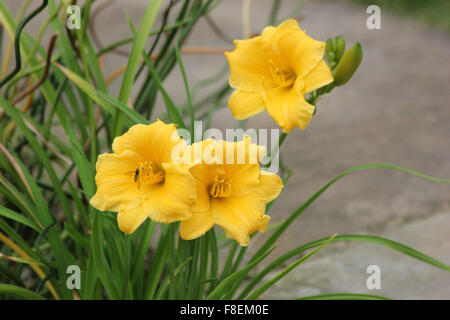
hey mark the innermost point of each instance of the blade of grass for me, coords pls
(139, 258)
(40, 153)
(363, 238)
(214, 258)
(21, 260)
(171, 244)
(344, 296)
(107, 102)
(279, 231)
(131, 114)
(192, 274)
(7, 213)
(225, 285)
(229, 262)
(133, 61)
(125, 41)
(165, 285)
(173, 112)
(158, 263)
(188, 91)
(33, 266)
(204, 253)
(258, 292)
(18, 292)
(81, 239)
(102, 269)
(18, 240)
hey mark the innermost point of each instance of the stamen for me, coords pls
(282, 76)
(220, 188)
(145, 174)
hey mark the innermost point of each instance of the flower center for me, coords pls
(282, 76)
(145, 174)
(220, 188)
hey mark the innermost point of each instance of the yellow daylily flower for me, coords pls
(274, 71)
(232, 194)
(140, 180)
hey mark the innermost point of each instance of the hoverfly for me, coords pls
(136, 176)
(145, 174)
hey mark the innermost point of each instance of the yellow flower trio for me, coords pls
(146, 177)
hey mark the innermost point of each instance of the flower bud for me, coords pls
(348, 65)
(340, 47)
(330, 55)
(330, 45)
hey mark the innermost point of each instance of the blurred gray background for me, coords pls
(394, 110)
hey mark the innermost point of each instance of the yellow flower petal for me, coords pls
(172, 200)
(302, 51)
(153, 142)
(245, 104)
(240, 216)
(241, 152)
(270, 186)
(273, 33)
(130, 220)
(202, 202)
(244, 178)
(197, 225)
(288, 107)
(318, 77)
(250, 65)
(116, 189)
(203, 173)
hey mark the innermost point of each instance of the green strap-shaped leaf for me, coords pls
(229, 281)
(303, 207)
(258, 292)
(344, 296)
(19, 292)
(136, 51)
(107, 102)
(7, 213)
(173, 112)
(21, 260)
(286, 223)
(350, 237)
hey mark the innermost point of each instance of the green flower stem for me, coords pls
(276, 148)
(17, 42)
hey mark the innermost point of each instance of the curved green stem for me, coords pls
(17, 42)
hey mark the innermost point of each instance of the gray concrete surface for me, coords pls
(395, 110)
